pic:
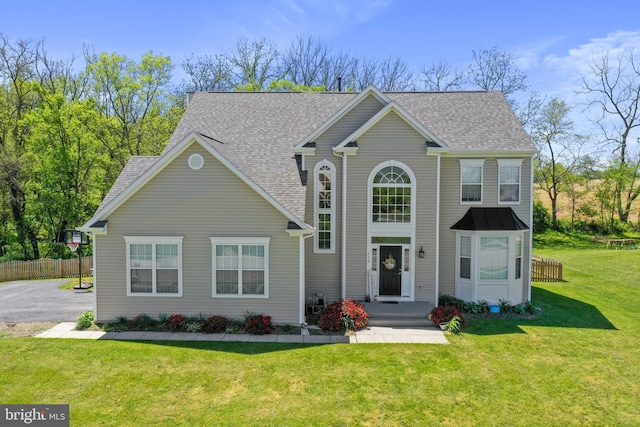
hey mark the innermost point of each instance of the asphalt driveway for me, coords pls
(42, 301)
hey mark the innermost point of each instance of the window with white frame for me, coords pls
(391, 202)
(509, 171)
(465, 257)
(240, 267)
(471, 181)
(493, 258)
(518, 268)
(154, 265)
(325, 207)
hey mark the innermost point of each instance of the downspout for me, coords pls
(343, 243)
(437, 229)
(302, 280)
(95, 282)
(530, 230)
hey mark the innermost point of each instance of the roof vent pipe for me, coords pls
(339, 84)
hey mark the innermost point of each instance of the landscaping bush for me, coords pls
(445, 300)
(330, 318)
(85, 320)
(258, 324)
(142, 322)
(215, 324)
(356, 313)
(176, 323)
(347, 314)
(445, 314)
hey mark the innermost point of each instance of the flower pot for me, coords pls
(494, 309)
(444, 325)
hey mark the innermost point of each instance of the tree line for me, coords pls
(67, 131)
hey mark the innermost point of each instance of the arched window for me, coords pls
(325, 206)
(391, 202)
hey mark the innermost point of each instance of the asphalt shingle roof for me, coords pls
(257, 131)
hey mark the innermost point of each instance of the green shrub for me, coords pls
(193, 326)
(455, 325)
(445, 300)
(85, 320)
(541, 217)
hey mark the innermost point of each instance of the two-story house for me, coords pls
(261, 199)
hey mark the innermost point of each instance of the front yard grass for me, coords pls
(576, 364)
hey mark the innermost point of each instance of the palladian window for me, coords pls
(391, 196)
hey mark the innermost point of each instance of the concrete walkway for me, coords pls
(374, 334)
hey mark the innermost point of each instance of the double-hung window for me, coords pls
(240, 267)
(471, 181)
(509, 177)
(154, 265)
(325, 211)
(465, 257)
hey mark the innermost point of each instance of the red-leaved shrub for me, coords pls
(345, 314)
(258, 324)
(176, 322)
(215, 324)
(445, 314)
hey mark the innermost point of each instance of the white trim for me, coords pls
(510, 163)
(331, 211)
(437, 272)
(369, 90)
(95, 280)
(387, 109)
(154, 241)
(166, 159)
(475, 153)
(394, 229)
(343, 255)
(513, 290)
(528, 258)
(240, 241)
(302, 288)
(472, 163)
(195, 161)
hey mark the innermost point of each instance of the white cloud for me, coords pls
(578, 59)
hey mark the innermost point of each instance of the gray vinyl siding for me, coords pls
(391, 138)
(323, 269)
(452, 211)
(197, 204)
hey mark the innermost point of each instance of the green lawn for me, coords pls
(577, 364)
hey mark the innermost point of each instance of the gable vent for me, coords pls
(196, 161)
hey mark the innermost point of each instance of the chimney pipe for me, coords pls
(339, 84)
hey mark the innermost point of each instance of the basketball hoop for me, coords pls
(73, 246)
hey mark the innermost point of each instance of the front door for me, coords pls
(390, 271)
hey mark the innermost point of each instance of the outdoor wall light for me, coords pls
(421, 253)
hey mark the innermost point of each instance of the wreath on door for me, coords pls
(389, 263)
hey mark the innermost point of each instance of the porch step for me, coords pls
(401, 321)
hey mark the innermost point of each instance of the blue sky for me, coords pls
(552, 41)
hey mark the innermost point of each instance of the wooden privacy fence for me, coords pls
(44, 269)
(545, 270)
